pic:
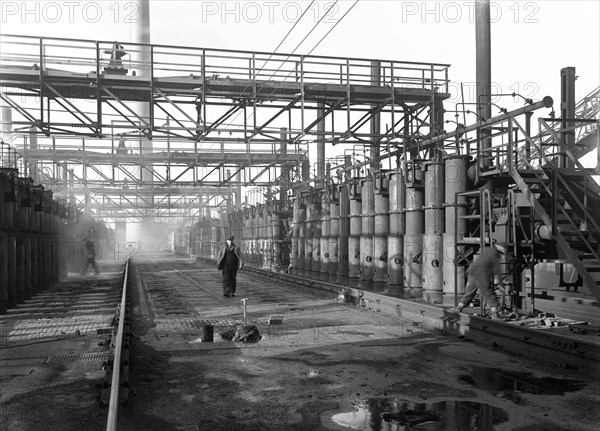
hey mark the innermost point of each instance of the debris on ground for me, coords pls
(244, 333)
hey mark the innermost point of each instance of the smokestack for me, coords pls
(483, 71)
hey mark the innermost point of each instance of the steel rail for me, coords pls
(113, 405)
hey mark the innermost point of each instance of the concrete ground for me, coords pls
(328, 365)
(52, 353)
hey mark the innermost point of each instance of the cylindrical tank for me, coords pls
(316, 244)
(293, 269)
(23, 220)
(9, 207)
(268, 236)
(432, 268)
(413, 282)
(395, 238)
(395, 266)
(415, 225)
(334, 233)
(36, 240)
(453, 274)
(367, 231)
(355, 232)
(301, 258)
(344, 234)
(396, 203)
(434, 198)
(275, 239)
(261, 234)
(324, 240)
(455, 181)
(308, 239)
(3, 244)
(381, 229)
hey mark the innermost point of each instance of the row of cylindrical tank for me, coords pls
(38, 238)
(394, 231)
(261, 231)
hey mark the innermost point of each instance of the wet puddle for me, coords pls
(506, 383)
(389, 414)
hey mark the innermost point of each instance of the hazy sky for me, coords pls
(531, 40)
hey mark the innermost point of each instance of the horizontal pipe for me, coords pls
(546, 102)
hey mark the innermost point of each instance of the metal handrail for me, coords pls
(238, 64)
(552, 190)
(113, 405)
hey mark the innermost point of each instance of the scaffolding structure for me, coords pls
(130, 138)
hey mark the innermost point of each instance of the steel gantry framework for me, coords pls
(135, 131)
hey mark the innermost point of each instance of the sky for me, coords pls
(531, 40)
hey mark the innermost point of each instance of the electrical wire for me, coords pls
(337, 22)
(292, 29)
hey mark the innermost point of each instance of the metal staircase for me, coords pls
(585, 128)
(566, 200)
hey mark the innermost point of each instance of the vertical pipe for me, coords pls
(395, 238)
(483, 72)
(145, 69)
(381, 231)
(567, 110)
(375, 127)
(367, 233)
(344, 233)
(285, 177)
(320, 142)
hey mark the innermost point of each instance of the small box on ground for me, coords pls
(275, 320)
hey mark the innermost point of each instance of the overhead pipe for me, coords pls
(546, 102)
